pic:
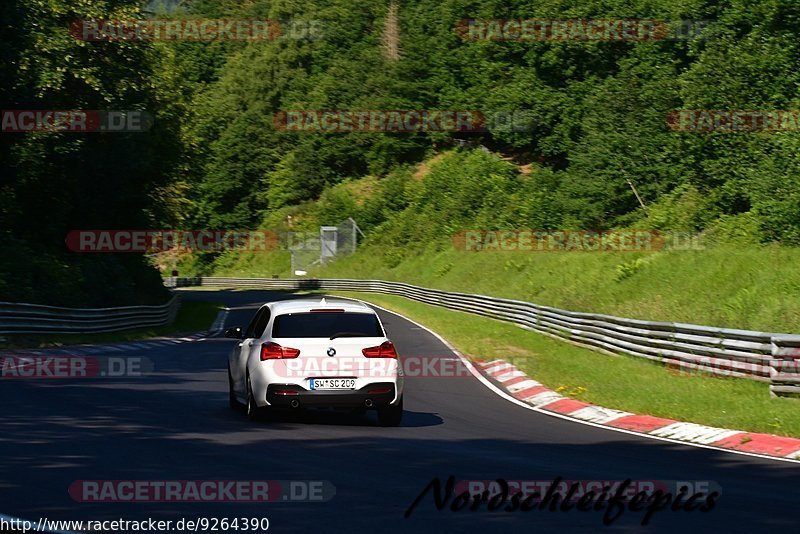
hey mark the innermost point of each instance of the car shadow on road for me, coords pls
(280, 418)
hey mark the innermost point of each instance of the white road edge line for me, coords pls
(518, 402)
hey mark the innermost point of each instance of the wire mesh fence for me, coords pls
(310, 250)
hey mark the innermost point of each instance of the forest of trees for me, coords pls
(214, 158)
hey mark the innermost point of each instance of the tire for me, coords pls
(391, 415)
(232, 400)
(251, 408)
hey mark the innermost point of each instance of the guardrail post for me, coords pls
(785, 367)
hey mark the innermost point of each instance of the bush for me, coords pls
(72, 280)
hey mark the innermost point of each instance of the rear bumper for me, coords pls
(377, 394)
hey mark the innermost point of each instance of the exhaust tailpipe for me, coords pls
(368, 403)
(295, 403)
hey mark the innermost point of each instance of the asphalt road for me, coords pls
(175, 424)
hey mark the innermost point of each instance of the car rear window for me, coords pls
(325, 325)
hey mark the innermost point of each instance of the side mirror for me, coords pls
(234, 332)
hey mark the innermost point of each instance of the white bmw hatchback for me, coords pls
(315, 353)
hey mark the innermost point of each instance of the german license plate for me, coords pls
(333, 383)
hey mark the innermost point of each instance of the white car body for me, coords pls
(327, 372)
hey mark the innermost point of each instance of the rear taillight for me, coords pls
(384, 350)
(273, 351)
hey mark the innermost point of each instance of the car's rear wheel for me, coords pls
(251, 408)
(391, 415)
(232, 400)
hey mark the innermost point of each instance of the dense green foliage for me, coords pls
(215, 159)
(54, 182)
(723, 279)
(600, 112)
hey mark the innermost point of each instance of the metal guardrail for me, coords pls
(18, 318)
(764, 356)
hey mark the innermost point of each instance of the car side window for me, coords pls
(251, 328)
(261, 323)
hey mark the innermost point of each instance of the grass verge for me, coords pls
(193, 316)
(753, 288)
(621, 382)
